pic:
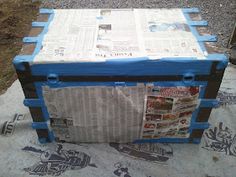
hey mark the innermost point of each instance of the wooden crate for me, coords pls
(44, 77)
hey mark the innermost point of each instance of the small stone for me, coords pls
(215, 159)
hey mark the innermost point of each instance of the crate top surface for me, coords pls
(98, 35)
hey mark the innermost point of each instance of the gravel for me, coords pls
(221, 15)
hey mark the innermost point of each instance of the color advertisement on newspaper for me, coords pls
(168, 111)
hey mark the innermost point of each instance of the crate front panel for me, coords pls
(108, 112)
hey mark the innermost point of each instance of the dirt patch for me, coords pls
(15, 22)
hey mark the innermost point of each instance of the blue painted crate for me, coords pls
(172, 71)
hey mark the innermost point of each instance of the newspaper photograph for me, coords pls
(170, 116)
(168, 111)
(153, 117)
(156, 104)
(60, 127)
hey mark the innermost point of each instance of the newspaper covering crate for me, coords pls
(120, 75)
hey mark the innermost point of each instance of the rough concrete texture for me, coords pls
(221, 15)
(22, 155)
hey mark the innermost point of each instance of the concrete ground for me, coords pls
(22, 155)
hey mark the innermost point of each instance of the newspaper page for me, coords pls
(70, 37)
(165, 33)
(95, 113)
(168, 111)
(118, 114)
(89, 35)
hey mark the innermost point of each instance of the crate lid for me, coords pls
(98, 35)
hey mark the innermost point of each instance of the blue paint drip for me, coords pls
(209, 103)
(39, 24)
(191, 10)
(196, 140)
(43, 140)
(200, 125)
(51, 136)
(198, 23)
(39, 125)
